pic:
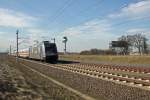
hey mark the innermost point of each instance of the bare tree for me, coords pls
(129, 40)
(138, 41)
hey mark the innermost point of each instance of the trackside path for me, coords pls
(13, 85)
(86, 97)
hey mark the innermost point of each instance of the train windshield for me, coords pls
(50, 47)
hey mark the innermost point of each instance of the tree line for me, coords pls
(97, 52)
(134, 43)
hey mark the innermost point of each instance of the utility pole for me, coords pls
(17, 46)
(53, 39)
(10, 50)
(65, 47)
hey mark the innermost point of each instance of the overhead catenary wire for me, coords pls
(96, 4)
(87, 9)
(128, 21)
(123, 22)
(131, 20)
(69, 2)
(61, 10)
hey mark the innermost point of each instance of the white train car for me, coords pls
(24, 53)
(44, 51)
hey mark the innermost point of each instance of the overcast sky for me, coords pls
(87, 23)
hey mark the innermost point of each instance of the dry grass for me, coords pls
(13, 85)
(115, 59)
(46, 88)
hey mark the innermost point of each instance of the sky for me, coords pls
(87, 23)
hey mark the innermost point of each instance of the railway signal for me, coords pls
(65, 39)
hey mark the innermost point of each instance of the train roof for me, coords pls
(43, 42)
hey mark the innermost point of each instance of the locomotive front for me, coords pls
(51, 54)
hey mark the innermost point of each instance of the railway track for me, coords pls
(96, 72)
(84, 96)
(135, 69)
(109, 73)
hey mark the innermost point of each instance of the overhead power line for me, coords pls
(96, 4)
(131, 20)
(93, 6)
(87, 9)
(62, 10)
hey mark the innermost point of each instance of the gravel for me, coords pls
(47, 89)
(100, 89)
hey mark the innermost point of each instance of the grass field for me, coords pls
(112, 59)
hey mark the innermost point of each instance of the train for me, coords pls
(44, 51)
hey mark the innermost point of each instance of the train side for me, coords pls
(44, 51)
(24, 53)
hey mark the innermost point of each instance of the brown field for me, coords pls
(112, 59)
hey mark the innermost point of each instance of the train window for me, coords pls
(35, 50)
(51, 48)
